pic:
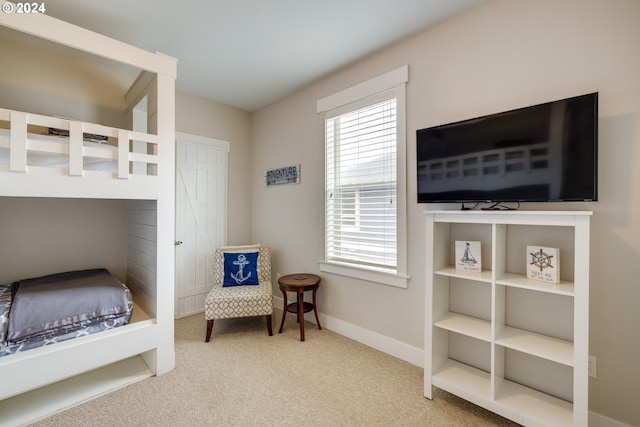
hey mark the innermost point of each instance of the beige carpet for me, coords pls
(243, 377)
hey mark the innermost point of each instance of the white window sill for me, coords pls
(371, 275)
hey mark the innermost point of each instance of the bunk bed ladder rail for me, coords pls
(19, 143)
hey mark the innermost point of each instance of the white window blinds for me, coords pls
(361, 188)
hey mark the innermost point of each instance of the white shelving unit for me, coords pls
(515, 346)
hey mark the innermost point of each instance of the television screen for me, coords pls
(546, 152)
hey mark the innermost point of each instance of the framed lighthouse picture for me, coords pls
(468, 256)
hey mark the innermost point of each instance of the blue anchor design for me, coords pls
(241, 262)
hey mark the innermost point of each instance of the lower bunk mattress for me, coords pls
(46, 310)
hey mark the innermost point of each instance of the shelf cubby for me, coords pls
(463, 380)
(542, 346)
(465, 325)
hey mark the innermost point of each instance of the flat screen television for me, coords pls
(542, 153)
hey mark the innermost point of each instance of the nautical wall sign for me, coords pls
(280, 176)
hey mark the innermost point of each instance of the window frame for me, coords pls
(394, 80)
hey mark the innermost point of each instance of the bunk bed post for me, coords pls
(123, 154)
(166, 221)
(18, 142)
(75, 148)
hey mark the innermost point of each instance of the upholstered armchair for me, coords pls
(232, 294)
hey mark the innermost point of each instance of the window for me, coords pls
(361, 185)
(365, 180)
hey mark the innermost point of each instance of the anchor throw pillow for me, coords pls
(240, 268)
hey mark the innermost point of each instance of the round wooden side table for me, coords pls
(299, 283)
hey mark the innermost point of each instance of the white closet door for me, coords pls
(201, 195)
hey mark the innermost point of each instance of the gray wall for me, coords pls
(502, 55)
(45, 236)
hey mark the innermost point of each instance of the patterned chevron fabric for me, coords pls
(240, 301)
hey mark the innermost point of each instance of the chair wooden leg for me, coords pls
(269, 325)
(209, 329)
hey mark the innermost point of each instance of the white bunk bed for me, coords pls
(41, 381)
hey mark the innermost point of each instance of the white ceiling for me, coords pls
(249, 53)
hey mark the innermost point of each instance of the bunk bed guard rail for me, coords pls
(20, 142)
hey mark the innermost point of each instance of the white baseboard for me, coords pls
(405, 352)
(387, 345)
(395, 348)
(597, 420)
